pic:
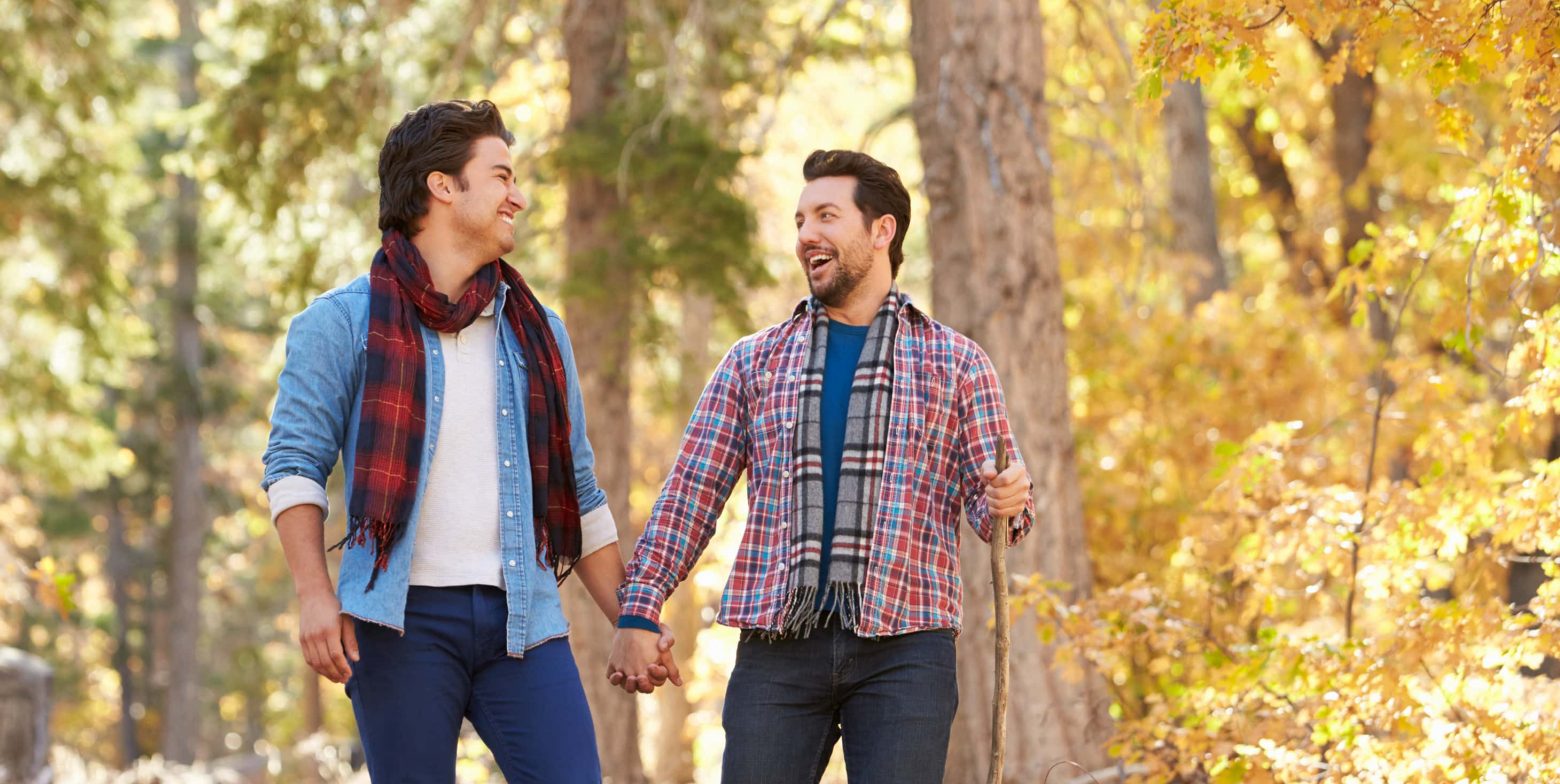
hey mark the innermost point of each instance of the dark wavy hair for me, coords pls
(434, 138)
(878, 191)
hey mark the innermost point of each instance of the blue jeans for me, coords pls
(410, 692)
(891, 700)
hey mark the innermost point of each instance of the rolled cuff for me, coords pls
(597, 530)
(636, 622)
(291, 491)
(641, 601)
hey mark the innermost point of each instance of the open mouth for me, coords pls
(817, 260)
(507, 218)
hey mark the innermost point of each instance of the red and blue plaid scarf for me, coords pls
(393, 424)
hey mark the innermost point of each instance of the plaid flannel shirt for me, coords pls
(946, 416)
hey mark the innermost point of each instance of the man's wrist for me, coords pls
(315, 591)
(637, 622)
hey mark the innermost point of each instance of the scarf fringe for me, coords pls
(802, 614)
(384, 534)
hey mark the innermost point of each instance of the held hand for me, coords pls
(328, 638)
(665, 667)
(1007, 492)
(634, 651)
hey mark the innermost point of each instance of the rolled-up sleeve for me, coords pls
(313, 405)
(296, 490)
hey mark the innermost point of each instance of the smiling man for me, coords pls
(867, 430)
(450, 394)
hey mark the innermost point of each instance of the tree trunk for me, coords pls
(1525, 575)
(600, 325)
(980, 115)
(1353, 105)
(1308, 271)
(1194, 221)
(25, 681)
(684, 611)
(187, 535)
(119, 576)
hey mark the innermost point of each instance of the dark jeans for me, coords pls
(410, 693)
(892, 701)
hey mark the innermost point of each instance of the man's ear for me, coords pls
(441, 186)
(883, 231)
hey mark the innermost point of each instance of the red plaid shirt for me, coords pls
(946, 416)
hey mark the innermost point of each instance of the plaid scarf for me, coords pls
(861, 470)
(393, 427)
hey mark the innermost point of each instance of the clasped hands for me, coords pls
(641, 660)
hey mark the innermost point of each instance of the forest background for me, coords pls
(1271, 288)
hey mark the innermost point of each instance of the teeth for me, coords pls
(509, 219)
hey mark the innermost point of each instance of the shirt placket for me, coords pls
(786, 397)
(887, 544)
(512, 534)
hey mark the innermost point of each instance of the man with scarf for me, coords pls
(866, 430)
(451, 397)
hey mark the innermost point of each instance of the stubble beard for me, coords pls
(851, 267)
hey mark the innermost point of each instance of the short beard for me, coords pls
(847, 278)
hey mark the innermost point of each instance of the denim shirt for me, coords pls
(316, 418)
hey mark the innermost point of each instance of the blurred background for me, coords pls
(1271, 289)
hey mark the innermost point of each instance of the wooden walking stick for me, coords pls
(999, 597)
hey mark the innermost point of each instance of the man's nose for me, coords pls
(517, 197)
(807, 232)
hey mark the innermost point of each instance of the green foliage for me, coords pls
(682, 226)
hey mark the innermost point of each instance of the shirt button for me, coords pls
(435, 352)
(511, 562)
(504, 411)
(506, 463)
(501, 363)
(789, 424)
(435, 398)
(786, 473)
(509, 514)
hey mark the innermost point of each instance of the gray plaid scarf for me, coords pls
(861, 471)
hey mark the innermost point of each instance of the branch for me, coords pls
(784, 68)
(1488, 7)
(1117, 772)
(1280, 12)
(1383, 392)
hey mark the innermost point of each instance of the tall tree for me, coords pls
(187, 534)
(1193, 220)
(601, 321)
(980, 114)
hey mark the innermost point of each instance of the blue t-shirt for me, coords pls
(839, 370)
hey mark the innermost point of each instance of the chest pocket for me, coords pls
(772, 425)
(929, 420)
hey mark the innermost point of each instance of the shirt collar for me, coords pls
(809, 306)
